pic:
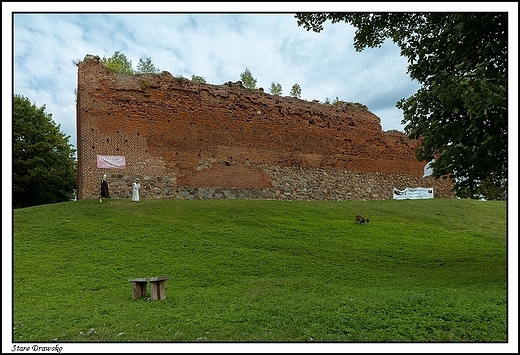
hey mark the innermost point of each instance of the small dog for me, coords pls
(361, 220)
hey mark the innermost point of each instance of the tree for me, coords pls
(198, 79)
(119, 63)
(147, 67)
(248, 80)
(337, 102)
(44, 167)
(460, 112)
(276, 89)
(296, 91)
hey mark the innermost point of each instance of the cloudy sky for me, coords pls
(218, 45)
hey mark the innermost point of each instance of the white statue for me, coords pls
(135, 190)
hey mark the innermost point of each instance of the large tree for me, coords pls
(460, 111)
(44, 167)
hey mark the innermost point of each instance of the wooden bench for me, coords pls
(157, 287)
(139, 287)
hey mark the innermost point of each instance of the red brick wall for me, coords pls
(177, 133)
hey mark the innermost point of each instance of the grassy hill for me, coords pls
(241, 270)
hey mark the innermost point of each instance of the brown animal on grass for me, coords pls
(361, 220)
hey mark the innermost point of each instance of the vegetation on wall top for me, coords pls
(119, 63)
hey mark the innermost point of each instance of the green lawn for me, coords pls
(262, 271)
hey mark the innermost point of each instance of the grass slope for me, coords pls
(241, 270)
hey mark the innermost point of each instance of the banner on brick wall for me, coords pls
(111, 161)
(413, 193)
(428, 170)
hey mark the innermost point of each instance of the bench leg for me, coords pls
(138, 289)
(158, 290)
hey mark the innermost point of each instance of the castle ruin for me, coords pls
(192, 140)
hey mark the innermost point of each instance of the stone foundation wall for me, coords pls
(289, 183)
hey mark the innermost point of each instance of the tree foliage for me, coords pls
(145, 66)
(296, 91)
(118, 63)
(44, 167)
(248, 80)
(276, 89)
(198, 79)
(460, 112)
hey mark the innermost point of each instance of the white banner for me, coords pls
(111, 161)
(428, 170)
(413, 193)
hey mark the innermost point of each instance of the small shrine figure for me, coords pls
(104, 188)
(135, 190)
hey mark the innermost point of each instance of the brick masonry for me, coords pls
(191, 140)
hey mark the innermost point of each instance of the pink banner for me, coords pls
(111, 161)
